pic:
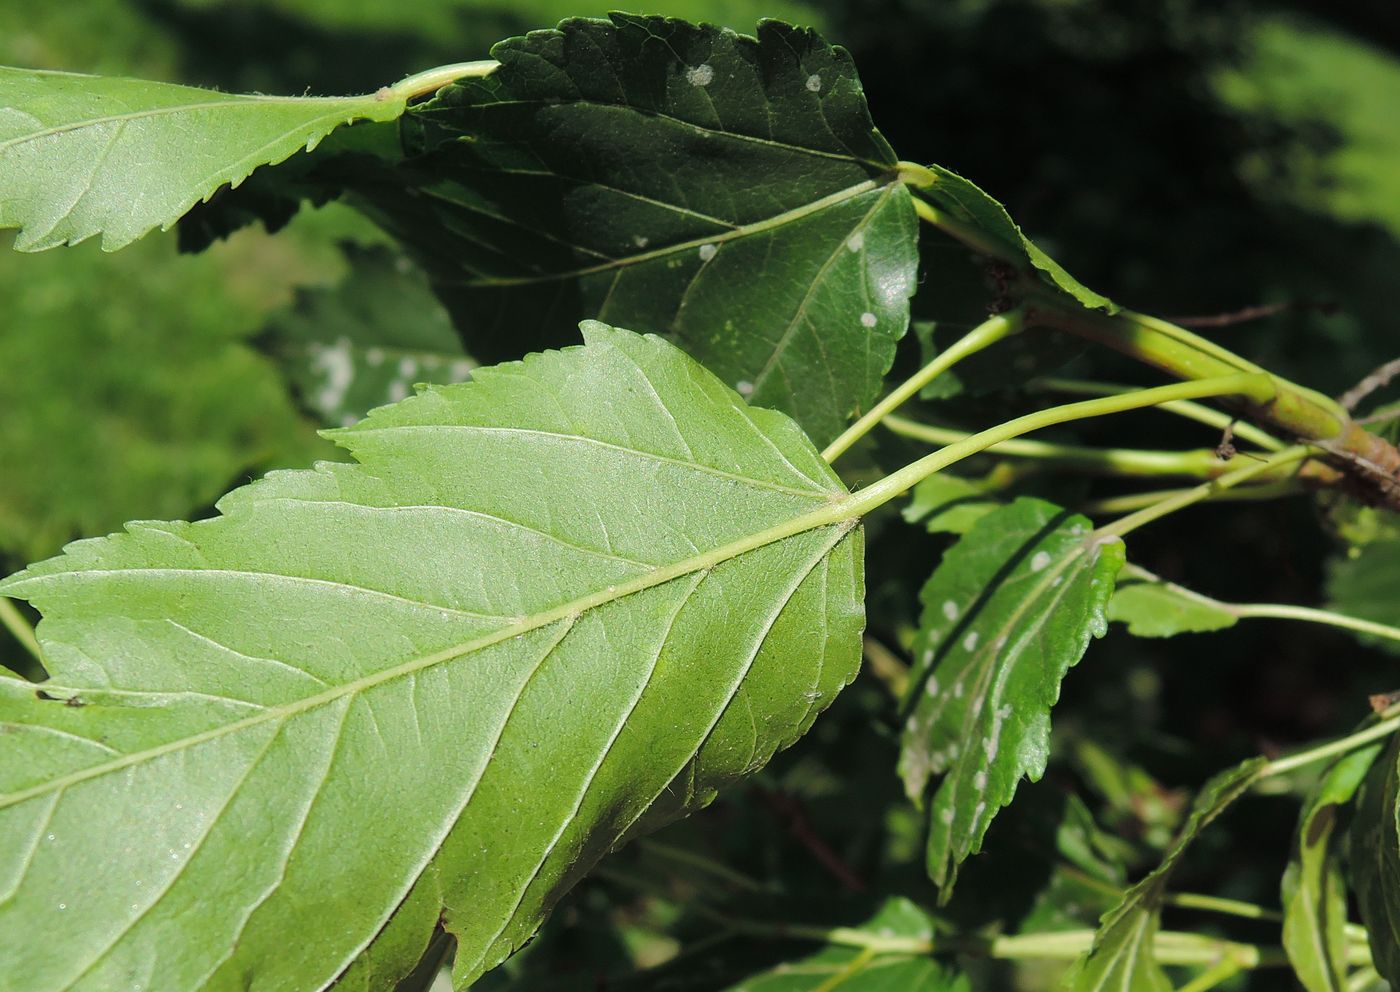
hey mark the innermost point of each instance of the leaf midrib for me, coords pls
(688, 125)
(843, 511)
(742, 231)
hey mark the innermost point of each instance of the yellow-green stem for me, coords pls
(1183, 408)
(987, 333)
(1136, 501)
(1202, 464)
(1211, 978)
(1371, 463)
(1383, 728)
(1206, 490)
(1257, 387)
(1280, 611)
(432, 80)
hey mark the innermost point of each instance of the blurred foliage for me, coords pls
(144, 410)
(1186, 157)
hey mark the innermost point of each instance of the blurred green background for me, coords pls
(1187, 157)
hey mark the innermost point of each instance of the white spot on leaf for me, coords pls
(868, 319)
(707, 252)
(744, 388)
(814, 83)
(700, 75)
(970, 641)
(932, 686)
(856, 241)
(950, 609)
(1040, 561)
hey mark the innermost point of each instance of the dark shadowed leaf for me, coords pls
(1375, 861)
(675, 178)
(1314, 889)
(1364, 585)
(549, 609)
(1121, 957)
(1011, 607)
(857, 969)
(969, 205)
(367, 341)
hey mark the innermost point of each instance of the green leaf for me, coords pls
(1121, 956)
(366, 342)
(1153, 607)
(85, 155)
(1363, 585)
(948, 504)
(1314, 891)
(1011, 607)
(729, 191)
(273, 194)
(969, 205)
(550, 609)
(855, 969)
(1375, 861)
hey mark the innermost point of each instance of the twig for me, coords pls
(1378, 379)
(790, 809)
(1258, 312)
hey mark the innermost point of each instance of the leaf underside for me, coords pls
(1010, 608)
(86, 155)
(729, 191)
(434, 686)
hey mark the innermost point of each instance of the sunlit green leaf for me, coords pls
(1011, 607)
(549, 609)
(1122, 957)
(85, 155)
(728, 191)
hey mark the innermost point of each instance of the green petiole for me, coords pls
(987, 333)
